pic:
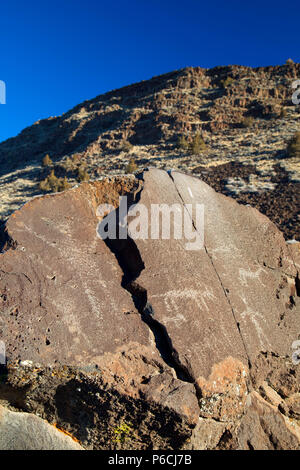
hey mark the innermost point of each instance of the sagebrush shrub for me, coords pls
(47, 161)
(131, 167)
(82, 174)
(182, 143)
(227, 82)
(126, 146)
(53, 184)
(293, 148)
(248, 122)
(197, 145)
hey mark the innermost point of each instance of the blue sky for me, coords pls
(55, 54)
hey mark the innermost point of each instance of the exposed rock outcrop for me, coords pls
(144, 121)
(145, 344)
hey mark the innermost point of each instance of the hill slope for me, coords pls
(245, 158)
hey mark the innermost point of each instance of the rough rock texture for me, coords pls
(142, 343)
(151, 115)
(263, 428)
(183, 101)
(22, 431)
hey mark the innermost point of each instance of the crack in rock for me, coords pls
(297, 284)
(131, 263)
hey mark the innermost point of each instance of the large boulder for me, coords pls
(144, 343)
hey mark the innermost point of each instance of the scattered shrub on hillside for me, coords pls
(76, 157)
(126, 146)
(226, 82)
(54, 184)
(197, 145)
(283, 113)
(82, 174)
(182, 143)
(44, 186)
(64, 184)
(71, 164)
(293, 148)
(131, 167)
(47, 161)
(68, 164)
(248, 122)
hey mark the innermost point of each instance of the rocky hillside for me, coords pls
(143, 344)
(244, 115)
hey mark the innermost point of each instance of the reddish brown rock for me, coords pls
(185, 293)
(63, 309)
(264, 428)
(146, 344)
(254, 268)
(59, 283)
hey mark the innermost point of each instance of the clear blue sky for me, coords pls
(55, 54)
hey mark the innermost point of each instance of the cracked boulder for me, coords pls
(141, 344)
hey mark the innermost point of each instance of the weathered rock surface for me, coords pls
(145, 344)
(263, 428)
(22, 431)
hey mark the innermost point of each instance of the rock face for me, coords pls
(145, 344)
(22, 431)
